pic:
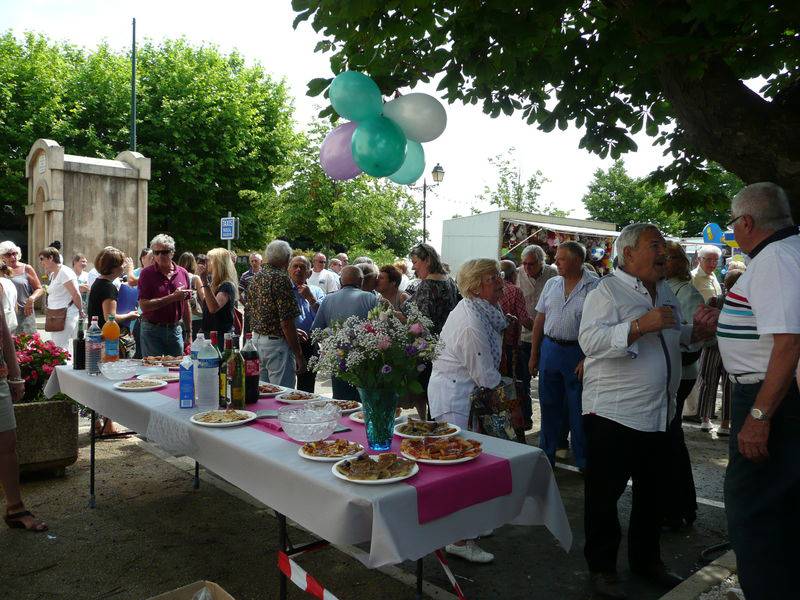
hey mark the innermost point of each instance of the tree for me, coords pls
(314, 212)
(511, 192)
(617, 197)
(212, 126)
(612, 67)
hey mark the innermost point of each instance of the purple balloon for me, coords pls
(335, 155)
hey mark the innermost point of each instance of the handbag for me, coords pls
(55, 319)
(496, 411)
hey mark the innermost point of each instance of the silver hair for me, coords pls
(629, 238)
(278, 252)
(766, 203)
(256, 255)
(362, 260)
(709, 249)
(304, 260)
(368, 269)
(534, 249)
(577, 249)
(9, 246)
(164, 240)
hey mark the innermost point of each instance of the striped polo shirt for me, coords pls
(764, 301)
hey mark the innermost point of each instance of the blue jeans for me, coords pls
(762, 500)
(558, 385)
(160, 341)
(277, 360)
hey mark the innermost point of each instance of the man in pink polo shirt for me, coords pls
(164, 293)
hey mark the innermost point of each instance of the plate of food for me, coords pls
(223, 418)
(416, 430)
(346, 406)
(358, 416)
(330, 450)
(140, 385)
(376, 469)
(168, 377)
(268, 390)
(295, 397)
(162, 361)
(441, 451)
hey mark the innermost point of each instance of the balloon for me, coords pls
(378, 146)
(413, 165)
(730, 239)
(421, 116)
(355, 96)
(712, 234)
(597, 253)
(335, 156)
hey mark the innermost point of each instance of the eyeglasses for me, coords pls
(732, 221)
(162, 252)
(12, 253)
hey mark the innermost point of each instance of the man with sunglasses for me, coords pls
(164, 292)
(323, 278)
(759, 340)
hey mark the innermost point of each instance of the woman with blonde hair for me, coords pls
(219, 291)
(27, 283)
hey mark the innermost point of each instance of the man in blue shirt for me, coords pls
(349, 301)
(308, 297)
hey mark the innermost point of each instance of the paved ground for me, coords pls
(151, 532)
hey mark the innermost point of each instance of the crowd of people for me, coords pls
(616, 359)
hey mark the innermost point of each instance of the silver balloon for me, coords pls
(421, 116)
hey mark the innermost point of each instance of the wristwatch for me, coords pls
(758, 414)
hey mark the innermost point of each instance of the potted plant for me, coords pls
(382, 357)
(47, 430)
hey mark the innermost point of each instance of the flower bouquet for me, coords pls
(382, 357)
(37, 359)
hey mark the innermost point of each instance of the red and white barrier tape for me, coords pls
(450, 576)
(302, 579)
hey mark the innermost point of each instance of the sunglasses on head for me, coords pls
(162, 252)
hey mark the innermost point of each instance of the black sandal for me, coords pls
(14, 520)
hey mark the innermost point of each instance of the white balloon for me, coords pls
(421, 116)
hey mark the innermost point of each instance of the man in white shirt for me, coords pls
(703, 278)
(531, 277)
(759, 341)
(327, 280)
(631, 334)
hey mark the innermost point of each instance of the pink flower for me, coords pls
(48, 369)
(416, 329)
(383, 343)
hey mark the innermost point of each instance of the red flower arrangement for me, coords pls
(37, 360)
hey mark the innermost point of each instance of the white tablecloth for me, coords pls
(269, 469)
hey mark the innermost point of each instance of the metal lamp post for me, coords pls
(437, 174)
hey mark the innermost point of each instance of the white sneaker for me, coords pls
(470, 552)
(705, 425)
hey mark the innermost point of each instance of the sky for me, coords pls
(262, 31)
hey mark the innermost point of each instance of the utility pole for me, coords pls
(133, 88)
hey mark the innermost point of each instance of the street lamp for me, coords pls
(437, 174)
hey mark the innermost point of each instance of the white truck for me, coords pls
(504, 233)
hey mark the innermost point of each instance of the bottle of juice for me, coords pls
(223, 371)
(110, 334)
(236, 378)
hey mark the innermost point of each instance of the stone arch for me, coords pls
(39, 218)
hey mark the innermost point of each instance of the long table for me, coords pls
(268, 468)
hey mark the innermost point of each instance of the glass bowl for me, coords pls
(310, 421)
(119, 369)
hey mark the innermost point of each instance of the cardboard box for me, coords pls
(188, 592)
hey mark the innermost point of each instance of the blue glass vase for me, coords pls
(379, 407)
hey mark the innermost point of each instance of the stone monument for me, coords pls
(86, 203)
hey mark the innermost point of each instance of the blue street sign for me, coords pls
(227, 228)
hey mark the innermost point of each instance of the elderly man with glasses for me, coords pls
(323, 278)
(759, 340)
(164, 292)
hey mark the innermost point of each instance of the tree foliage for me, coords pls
(212, 126)
(363, 214)
(615, 196)
(512, 191)
(611, 67)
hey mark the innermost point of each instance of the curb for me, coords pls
(704, 579)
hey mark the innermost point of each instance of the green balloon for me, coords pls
(378, 146)
(412, 166)
(355, 96)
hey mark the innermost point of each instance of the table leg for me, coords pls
(92, 437)
(196, 482)
(419, 579)
(282, 547)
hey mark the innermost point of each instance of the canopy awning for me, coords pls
(569, 228)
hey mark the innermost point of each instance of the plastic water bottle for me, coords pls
(94, 346)
(207, 390)
(186, 383)
(193, 350)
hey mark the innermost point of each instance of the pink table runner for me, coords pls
(441, 490)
